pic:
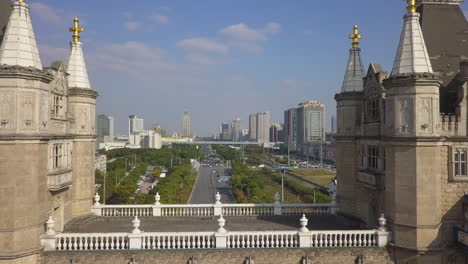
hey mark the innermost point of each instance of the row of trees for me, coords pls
(127, 165)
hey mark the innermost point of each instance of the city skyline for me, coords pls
(193, 64)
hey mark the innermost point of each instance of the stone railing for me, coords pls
(216, 209)
(449, 124)
(220, 239)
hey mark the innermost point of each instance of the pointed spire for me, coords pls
(78, 77)
(19, 43)
(355, 71)
(412, 56)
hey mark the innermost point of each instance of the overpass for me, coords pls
(211, 142)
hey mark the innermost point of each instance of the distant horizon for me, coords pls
(216, 60)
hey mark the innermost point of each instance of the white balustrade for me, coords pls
(349, 239)
(83, 242)
(127, 210)
(308, 209)
(178, 240)
(187, 210)
(247, 209)
(269, 239)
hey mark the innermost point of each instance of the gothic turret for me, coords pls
(83, 118)
(354, 71)
(19, 43)
(412, 56)
(76, 64)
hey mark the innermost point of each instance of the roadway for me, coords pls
(208, 183)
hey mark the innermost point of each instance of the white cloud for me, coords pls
(46, 13)
(132, 25)
(201, 59)
(160, 19)
(248, 38)
(203, 45)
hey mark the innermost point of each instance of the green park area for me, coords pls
(318, 176)
(260, 185)
(126, 166)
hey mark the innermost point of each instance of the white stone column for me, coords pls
(304, 233)
(49, 239)
(157, 205)
(134, 239)
(221, 235)
(218, 206)
(383, 236)
(277, 207)
(96, 209)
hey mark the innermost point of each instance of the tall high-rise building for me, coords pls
(253, 127)
(104, 129)
(135, 124)
(236, 130)
(225, 132)
(290, 128)
(263, 127)
(310, 123)
(186, 126)
(276, 132)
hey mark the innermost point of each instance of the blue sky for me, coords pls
(217, 59)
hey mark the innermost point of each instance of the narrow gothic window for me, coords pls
(460, 162)
(373, 157)
(373, 110)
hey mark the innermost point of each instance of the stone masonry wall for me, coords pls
(260, 256)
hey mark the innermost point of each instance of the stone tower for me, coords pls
(46, 141)
(404, 153)
(348, 125)
(82, 103)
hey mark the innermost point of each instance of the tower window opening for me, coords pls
(460, 161)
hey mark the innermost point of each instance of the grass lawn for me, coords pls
(271, 187)
(319, 176)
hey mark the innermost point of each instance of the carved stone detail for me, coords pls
(6, 110)
(390, 115)
(405, 116)
(425, 124)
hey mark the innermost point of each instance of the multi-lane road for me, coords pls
(209, 183)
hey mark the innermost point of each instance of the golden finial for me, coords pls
(411, 6)
(355, 37)
(76, 30)
(20, 1)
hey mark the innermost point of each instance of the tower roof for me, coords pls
(19, 43)
(412, 56)
(354, 71)
(78, 73)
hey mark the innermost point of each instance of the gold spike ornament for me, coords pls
(355, 37)
(411, 6)
(76, 30)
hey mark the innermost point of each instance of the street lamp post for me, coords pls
(282, 187)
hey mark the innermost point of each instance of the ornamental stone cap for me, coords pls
(412, 56)
(19, 46)
(78, 73)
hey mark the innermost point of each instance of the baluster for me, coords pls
(359, 242)
(202, 241)
(374, 240)
(354, 241)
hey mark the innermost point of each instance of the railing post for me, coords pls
(134, 239)
(218, 206)
(277, 207)
(49, 239)
(221, 234)
(157, 205)
(96, 209)
(383, 236)
(304, 233)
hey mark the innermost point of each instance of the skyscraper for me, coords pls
(253, 127)
(236, 130)
(186, 126)
(135, 124)
(225, 132)
(263, 127)
(105, 128)
(290, 128)
(311, 123)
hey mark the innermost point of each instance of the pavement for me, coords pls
(94, 224)
(207, 185)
